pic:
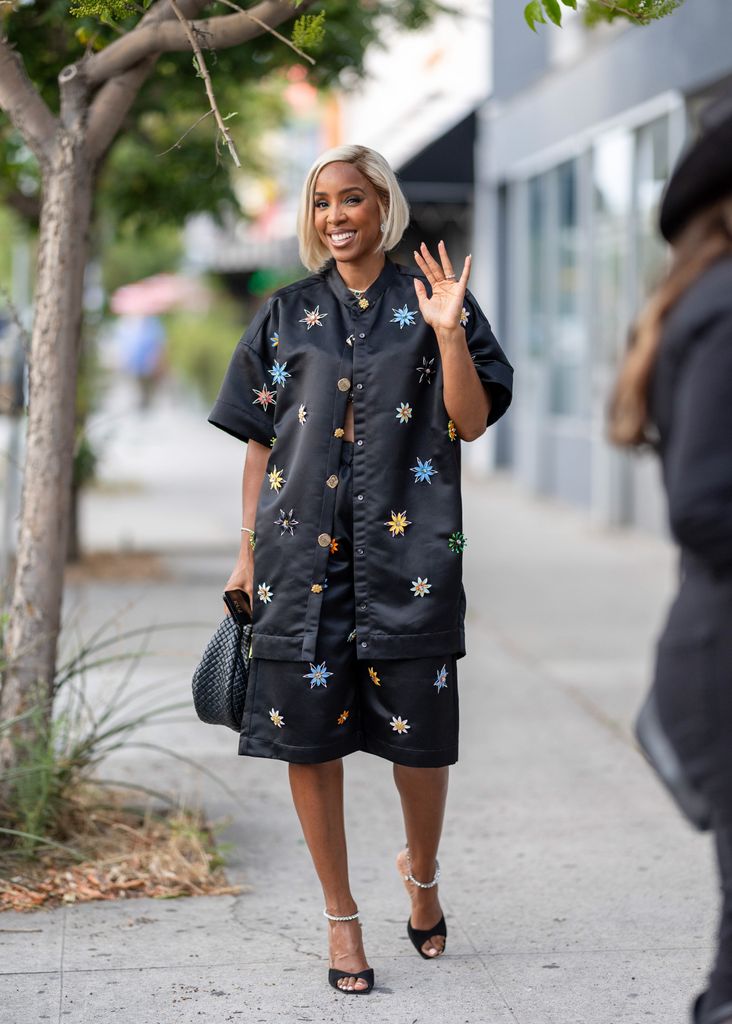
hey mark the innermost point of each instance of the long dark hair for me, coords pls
(705, 239)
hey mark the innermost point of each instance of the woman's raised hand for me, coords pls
(442, 310)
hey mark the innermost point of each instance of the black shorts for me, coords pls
(309, 712)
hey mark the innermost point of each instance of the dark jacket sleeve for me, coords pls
(237, 409)
(698, 457)
(493, 368)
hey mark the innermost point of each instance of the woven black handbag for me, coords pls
(220, 681)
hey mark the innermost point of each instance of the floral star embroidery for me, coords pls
(317, 675)
(464, 314)
(287, 522)
(313, 317)
(302, 415)
(404, 316)
(276, 717)
(342, 717)
(350, 340)
(265, 593)
(421, 587)
(400, 724)
(351, 636)
(276, 478)
(374, 676)
(404, 412)
(426, 370)
(457, 541)
(441, 680)
(275, 339)
(265, 397)
(423, 471)
(279, 373)
(333, 546)
(398, 523)
(272, 442)
(452, 430)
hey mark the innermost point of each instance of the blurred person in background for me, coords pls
(354, 388)
(140, 341)
(674, 392)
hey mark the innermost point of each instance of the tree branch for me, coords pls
(23, 104)
(219, 33)
(111, 105)
(203, 71)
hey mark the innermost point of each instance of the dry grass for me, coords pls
(127, 852)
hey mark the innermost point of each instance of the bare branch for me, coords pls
(219, 33)
(188, 131)
(203, 71)
(23, 104)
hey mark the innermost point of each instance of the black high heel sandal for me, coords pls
(334, 975)
(722, 1014)
(419, 936)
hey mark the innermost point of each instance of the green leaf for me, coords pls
(533, 14)
(554, 11)
(570, 3)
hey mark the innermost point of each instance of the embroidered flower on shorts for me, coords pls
(275, 339)
(421, 587)
(464, 315)
(265, 593)
(317, 675)
(398, 523)
(400, 724)
(423, 471)
(302, 415)
(276, 478)
(404, 316)
(441, 680)
(276, 717)
(374, 676)
(452, 430)
(279, 373)
(404, 412)
(342, 717)
(426, 370)
(351, 636)
(333, 546)
(457, 541)
(265, 397)
(287, 522)
(313, 317)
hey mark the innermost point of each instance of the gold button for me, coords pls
(316, 588)
(324, 539)
(338, 432)
(344, 384)
(332, 481)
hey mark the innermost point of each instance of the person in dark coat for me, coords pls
(674, 391)
(354, 389)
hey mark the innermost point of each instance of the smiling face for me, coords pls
(346, 213)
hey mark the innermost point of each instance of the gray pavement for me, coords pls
(574, 894)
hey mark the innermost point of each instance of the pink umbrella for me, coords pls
(159, 294)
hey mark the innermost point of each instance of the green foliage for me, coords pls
(308, 32)
(108, 11)
(640, 12)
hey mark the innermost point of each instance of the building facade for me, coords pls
(574, 147)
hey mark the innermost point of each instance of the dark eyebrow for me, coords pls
(353, 188)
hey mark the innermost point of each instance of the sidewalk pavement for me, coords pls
(573, 892)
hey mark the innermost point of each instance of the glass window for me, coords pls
(652, 170)
(537, 283)
(567, 350)
(612, 178)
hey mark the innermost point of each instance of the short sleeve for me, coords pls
(247, 397)
(493, 368)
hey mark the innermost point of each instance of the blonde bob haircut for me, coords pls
(393, 207)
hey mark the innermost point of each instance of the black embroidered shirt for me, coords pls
(311, 347)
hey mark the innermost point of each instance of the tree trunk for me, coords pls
(35, 610)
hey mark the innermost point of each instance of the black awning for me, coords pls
(443, 171)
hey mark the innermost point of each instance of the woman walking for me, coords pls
(675, 392)
(353, 388)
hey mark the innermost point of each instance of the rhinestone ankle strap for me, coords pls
(336, 917)
(424, 885)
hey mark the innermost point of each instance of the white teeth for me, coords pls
(342, 236)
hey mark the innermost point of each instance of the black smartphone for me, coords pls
(237, 601)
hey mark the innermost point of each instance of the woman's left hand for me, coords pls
(443, 308)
